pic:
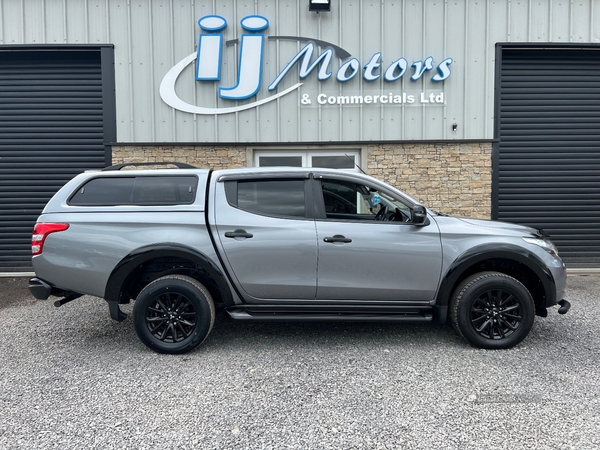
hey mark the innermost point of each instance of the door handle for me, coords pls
(337, 238)
(238, 234)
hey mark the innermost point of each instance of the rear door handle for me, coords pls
(337, 238)
(238, 234)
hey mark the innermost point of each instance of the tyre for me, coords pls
(173, 314)
(492, 310)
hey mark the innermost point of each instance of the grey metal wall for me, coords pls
(151, 36)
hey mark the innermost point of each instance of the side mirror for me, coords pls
(419, 215)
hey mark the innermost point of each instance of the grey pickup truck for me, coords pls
(286, 244)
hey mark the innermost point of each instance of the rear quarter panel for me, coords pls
(82, 258)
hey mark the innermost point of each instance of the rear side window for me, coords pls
(147, 190)
(269, 197)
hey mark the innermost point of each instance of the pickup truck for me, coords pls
(286, 244)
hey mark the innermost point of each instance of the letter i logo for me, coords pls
(208, 61)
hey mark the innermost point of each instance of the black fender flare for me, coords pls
(493, 251)
(141, 255)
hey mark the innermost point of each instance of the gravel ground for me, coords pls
(71, 377)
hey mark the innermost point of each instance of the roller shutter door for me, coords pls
(547, 162)
(51, 129)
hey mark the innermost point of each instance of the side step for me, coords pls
(332, 317)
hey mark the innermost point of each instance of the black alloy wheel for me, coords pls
(492, 310)
(496, 314)
(173, 314)
(171, 317)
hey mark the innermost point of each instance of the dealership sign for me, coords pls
(208, 61)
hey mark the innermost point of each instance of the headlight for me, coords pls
(544, 243)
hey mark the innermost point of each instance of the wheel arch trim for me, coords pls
(495, 251)
(129, 263)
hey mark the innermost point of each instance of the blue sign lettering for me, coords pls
(208, 62)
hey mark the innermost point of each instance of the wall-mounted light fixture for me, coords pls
(319, 5)
(455, 127)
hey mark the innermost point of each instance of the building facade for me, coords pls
(481, 108)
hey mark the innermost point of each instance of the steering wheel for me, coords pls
(381, 213)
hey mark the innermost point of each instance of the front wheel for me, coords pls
(173, 314)
(492, 310)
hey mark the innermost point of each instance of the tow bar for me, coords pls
(67, 299)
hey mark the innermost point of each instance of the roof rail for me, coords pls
(158, 163)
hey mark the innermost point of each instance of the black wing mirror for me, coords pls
(419, 215)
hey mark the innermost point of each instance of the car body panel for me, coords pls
(462, 237)
(279, 261)
(384, 261)
(82, 258)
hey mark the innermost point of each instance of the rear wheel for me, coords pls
(492, 310)
(173, 314)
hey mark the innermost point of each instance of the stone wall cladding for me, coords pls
(454, 179)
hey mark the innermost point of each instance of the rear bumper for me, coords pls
(39, 289)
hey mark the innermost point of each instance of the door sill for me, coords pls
(422, 316)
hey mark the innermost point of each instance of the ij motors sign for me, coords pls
(307, 62)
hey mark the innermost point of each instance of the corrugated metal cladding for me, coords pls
(51, 128)
(151, 36)
(549, 151)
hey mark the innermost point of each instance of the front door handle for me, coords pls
(337, 238)
(238, 234)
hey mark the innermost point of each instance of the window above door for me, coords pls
(345, 159)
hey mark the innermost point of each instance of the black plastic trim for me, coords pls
(121, 272)
(492, 251)
(115, 312)
(142, 164)
(39, 288)
(263, 176)
(42, 290)
(338, 307)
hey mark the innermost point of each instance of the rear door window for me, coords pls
(268, 197)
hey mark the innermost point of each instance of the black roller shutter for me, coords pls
(54, 106)
(547, 161)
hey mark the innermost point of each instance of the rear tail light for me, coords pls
(41, 231)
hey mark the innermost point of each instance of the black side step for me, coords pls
(322, 317)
